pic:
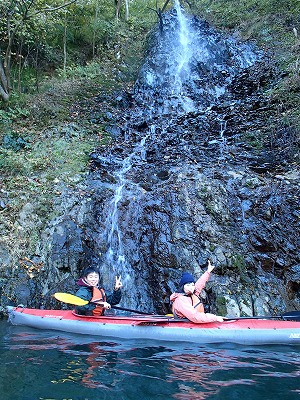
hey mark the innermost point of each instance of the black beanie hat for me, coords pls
(90, 270)
(186, 278)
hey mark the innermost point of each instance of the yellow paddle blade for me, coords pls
(70, 299)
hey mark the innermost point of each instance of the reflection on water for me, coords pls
(55, 366)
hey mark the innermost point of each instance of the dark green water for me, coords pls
(51, 365)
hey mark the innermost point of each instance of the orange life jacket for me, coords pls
(98, 295)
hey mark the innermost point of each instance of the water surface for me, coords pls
(52, 365)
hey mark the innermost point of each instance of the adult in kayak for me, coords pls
(89, 290)
(186, 302)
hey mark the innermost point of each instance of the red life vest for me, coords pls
(98, 295)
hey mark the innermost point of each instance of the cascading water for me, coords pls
(144, 230)
(185, 52)
(183, 56)
(191, 65)
(116, 263)
(115, 258)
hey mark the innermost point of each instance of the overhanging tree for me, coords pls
(15, 16)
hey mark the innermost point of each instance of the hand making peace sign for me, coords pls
(118, 283)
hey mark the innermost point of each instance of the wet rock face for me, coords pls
(192, 173)
(194, 188)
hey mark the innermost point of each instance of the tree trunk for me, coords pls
(65, 45)
(118, 12)
(37, 85)
(126, 10)
(5, 65)
(20, 65)
(4, 84)
(94, 32)
(20, 14)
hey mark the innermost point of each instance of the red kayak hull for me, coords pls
(242, 331)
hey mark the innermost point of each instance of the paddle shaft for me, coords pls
(291, 315)
(123, 309)
(130, 310)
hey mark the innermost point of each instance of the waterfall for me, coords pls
(115, 253)
(172, 72)
(170, 128)
(190, 65)
(183, 55)
(116, 263)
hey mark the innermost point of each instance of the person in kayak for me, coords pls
(186, 302)
(89, 290)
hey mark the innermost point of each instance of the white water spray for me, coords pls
(184, 51)
(183, 56)
(115, 257)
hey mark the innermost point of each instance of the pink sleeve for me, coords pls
(183, 306)
(200, 284)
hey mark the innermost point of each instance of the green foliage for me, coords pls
(221, 308)
(231, 14)
(10, 164)
(254, 138)
(40, 30)
(238, 263)
(90, 71)
(14, 141)
(11, 139)
(65, 154)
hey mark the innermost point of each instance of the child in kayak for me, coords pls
(186, 302)
(90, 291)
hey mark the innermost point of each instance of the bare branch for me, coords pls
(165, 5)
(59, 7)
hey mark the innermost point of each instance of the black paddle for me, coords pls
(130, 310)
(288, 316)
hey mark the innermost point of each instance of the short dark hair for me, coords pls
(90, 270)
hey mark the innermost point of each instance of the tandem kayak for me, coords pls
(241, 331)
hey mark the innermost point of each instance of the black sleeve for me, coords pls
(115, 297)
(84, 294)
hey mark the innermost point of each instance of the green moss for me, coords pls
(221, 305)
(212, 247)
(238, 263)
(253, 138)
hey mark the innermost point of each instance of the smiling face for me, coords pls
(189, 288)
(92, 279)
